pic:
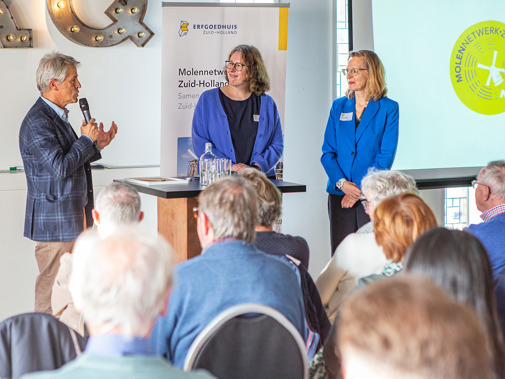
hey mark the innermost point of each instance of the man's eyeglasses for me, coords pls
(475, 183)
(353, 72)
(237, 66)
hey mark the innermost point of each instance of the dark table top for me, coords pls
(434, 178)
(192, 188)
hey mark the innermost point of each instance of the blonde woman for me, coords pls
(362, 132)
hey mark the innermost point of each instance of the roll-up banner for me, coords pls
(197, 38)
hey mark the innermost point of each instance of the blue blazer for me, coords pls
(349, 153)
(58, 175)
(210, 124)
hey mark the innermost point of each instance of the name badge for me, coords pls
(256, 117)
(345, 116)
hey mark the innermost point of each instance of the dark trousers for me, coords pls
(344, 221)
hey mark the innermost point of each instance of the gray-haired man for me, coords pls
(230, 271)
(121, 283)
(117, 205)
(490, 200)
(58, 171)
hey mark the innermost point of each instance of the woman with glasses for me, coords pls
(362, 132)
(239, 119)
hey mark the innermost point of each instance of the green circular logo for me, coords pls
(478, 67)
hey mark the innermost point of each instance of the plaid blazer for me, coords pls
(58, 174)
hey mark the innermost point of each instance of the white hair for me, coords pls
(118, 204)
(378, 185)
(493, 175)
(121, 281)
(53, 66)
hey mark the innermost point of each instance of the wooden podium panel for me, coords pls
(178, 225)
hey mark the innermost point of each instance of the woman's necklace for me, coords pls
(358, 117)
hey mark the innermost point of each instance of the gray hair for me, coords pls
(493, 175)
(118, 204)
(53, 66)
(382, 184)
(269, 196)
(231, 206)
(121, 281)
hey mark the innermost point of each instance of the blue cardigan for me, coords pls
(226, 274)
(210, 124)
(349, 153)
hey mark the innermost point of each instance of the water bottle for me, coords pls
(207, 166)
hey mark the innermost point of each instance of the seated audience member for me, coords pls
(117, 204)
(230, 271)
(409, 328)
(269, 211)
(121, 283)
(398, 222)
(358, 254)
(458, 262)
(490, 200)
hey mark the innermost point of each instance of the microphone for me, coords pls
(83, 103)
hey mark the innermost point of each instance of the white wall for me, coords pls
(309, 91)
(122, 83)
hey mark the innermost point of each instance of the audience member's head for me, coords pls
(378, 185)
(228, 208)
(399, 221)
(117, 204)
(490, 187)
(407, 327)
(269, 197)
(121, 282)
(458, 262)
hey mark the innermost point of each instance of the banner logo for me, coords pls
(183, 29)
(478, 67)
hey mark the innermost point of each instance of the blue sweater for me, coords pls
(227, 274)
(210, 124)
(492, 235)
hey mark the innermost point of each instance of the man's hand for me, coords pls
(238, 167)
(104, 138)
(348, 202)
(90, 129)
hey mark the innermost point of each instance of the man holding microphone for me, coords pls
(58, 170)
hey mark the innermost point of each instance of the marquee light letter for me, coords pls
(126, 16)
(10, 34)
